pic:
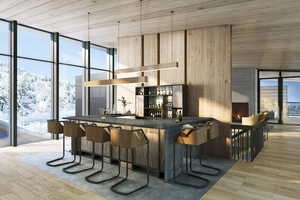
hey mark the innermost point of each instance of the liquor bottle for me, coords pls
(179, 116)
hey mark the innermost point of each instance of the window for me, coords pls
(269, 98)
(99, 58)
(35, 73)
(99, 96)
(4, 38)
(71, 77)
(34, 44)
(279, 94)
(4, 100)
(70, 90)
(291, 100)
(34, 99)
(101, 69)
(34, 84)
(71, 51)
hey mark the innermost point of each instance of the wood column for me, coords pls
(209, 81)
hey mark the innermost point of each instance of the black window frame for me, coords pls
(55, 72)
(280, 91)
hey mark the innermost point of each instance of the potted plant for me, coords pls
(124, 103)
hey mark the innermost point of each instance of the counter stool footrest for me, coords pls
(218, 171)
(114, 187)
(205, 181)
(66, 169)
(88, 178)
(49, 163)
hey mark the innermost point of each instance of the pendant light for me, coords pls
(117, 81)
(163, 66)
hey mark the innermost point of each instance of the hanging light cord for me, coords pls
(118, 30)
(89, 26)
(141, 15)
(172, 45)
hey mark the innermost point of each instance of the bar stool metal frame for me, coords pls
(114, 187)
(59, 130)
(217, 173)
(80, 128)
(217, 170)
(88, 178)
(188, 165)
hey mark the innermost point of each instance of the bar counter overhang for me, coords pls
(160, 132)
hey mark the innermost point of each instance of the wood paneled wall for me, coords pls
(129, 55)
(172, 48)
(151, 57)
(209, 79)
(204, 57)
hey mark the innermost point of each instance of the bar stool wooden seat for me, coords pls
(97, 134)
(190, 136)
(212, 133)
(56, 127)
(75, 131)
(129, 139)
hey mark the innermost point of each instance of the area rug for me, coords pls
(158, 189)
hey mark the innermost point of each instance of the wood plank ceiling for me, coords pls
(266, 33)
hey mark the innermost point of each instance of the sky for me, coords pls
(36, 44)
(292, 86)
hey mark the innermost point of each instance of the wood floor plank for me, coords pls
(274, 174)
(21, 181)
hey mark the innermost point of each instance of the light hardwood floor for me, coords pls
(20, 181)
(274, 175)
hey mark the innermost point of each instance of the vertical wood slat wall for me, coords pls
(151, 57)
(129, 55)
(171, 51)
(204, 57)
(209, 80)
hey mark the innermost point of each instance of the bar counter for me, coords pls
(160, 132)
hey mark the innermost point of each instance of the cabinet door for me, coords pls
(177, 96)
(139, 103)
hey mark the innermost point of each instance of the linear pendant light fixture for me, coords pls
(163, 66)
(117, 81)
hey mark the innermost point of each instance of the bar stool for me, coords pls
(190, 136)
(129, 139)
(76, 132)
(97, 134)
(212, 133)
(56, 127)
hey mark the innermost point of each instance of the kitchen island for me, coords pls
(160, 132)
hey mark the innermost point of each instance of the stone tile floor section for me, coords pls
(157, 189)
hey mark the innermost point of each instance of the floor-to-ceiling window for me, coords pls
(101, 69)
(34, 84)
(279, 94)
(34, 61)
(71, 77)
(4, 83)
